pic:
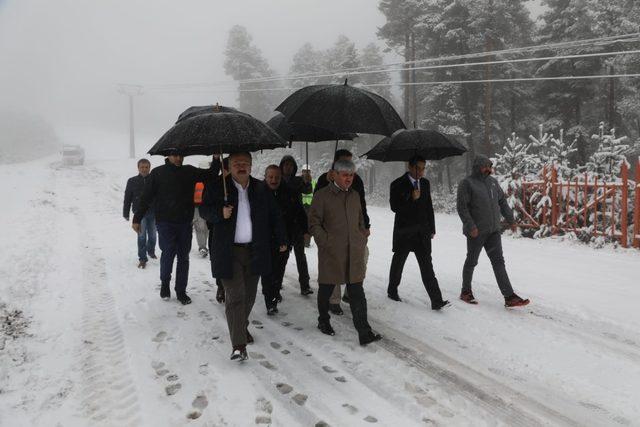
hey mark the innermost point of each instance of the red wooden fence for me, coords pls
(583, 204)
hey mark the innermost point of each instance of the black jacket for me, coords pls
(293, 213)
(357, 185)
(295, 183)
(414, 221)
(266, 221)
(132, 194)
(170, 188)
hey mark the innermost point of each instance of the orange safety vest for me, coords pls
(197, 193)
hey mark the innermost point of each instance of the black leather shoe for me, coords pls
(336, 309)
(325, 328)
(394, 296)
(184, 299)
(306, 291)
(370, 337)
(165, 291)
(440, 305)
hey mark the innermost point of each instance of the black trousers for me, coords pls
(492, 244)
(301, 261)
(423, 256)
(272, 283)
(210, 243)
(357, 303)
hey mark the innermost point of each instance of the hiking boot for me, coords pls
(239, 353)
(515, 301)
(306, 291)
(336, 309)
(184, 298)
(249, 338)
(369, 337)
(203, 252)
(142, 264)
(165, 291)
(467, 296)
(440, 305)
(325, 328)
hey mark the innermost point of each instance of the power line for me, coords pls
(600, 41)
(442, 82)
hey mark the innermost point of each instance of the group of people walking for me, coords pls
(254, 225)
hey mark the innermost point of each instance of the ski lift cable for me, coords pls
(445, 66)
(576, 43)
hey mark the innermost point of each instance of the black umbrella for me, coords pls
(405, 144)
(204, 109)
(341, 109)
(212, 133)
(293, 132)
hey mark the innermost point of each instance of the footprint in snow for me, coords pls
(172, 389)
(256, 355)
(300, 399)
(160, 336)
(268, 365)
(285, 351)
(284, 388)
(329, 369)
(341, 379)
(200, 402)
(203, 369)
(352, 409)
(275, 345)
(286, 324)
(370, 419)
(256, 322)
(172, 378)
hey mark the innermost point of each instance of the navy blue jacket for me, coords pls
(414, 222)
(265, 221)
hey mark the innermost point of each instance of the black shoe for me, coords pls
(249, 338)
(220, 294)
(336, 309)
(184, 298)
(394, 296)
(239, 353)
(272, 310)
(370, 337)
(306, 291)
(165, 291)
(345, 298)
(153, 256)
(440, 305)
(278, 296)
(325, 328)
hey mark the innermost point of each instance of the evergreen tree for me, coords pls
(243, 60)
(606, 161)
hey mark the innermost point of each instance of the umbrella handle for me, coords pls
(224, 180)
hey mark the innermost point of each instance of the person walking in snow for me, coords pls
(413, 228)
(297, 186)
(358, 186)
(243, 228)
(295, 224)
(132, 195)
(481, 203)
(199, 224)
(338, 228)
(170, 188)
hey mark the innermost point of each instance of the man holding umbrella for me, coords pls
(413, 228)
(170, 188)
(244, 216)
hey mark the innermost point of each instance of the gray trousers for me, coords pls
(240, 295)
(492, 244)
(202, 231)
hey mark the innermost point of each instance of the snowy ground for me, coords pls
(85, 339)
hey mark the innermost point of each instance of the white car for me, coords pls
(72, 155)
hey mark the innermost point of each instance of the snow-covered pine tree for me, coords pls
(606, 161)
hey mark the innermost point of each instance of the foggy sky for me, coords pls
(63, 58)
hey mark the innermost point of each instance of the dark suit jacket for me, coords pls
(266, 220)
(414, 222)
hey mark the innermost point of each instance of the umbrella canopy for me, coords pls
(304, 133)
(205, 109)
(212, 133)
(405, 144)
(341, 109)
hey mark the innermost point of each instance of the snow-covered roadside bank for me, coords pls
(101, 348)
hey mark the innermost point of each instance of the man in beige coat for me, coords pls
(337, 225)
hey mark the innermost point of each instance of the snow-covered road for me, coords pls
(95, 345)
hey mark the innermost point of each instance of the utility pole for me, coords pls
(131, 91)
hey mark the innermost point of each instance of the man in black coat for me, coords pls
(297, 185)
(243, 225)
(413, 228)
(132, 195)
(170, 188)
(324, 180)
(295, 224)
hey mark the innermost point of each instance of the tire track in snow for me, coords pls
(108, 394)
